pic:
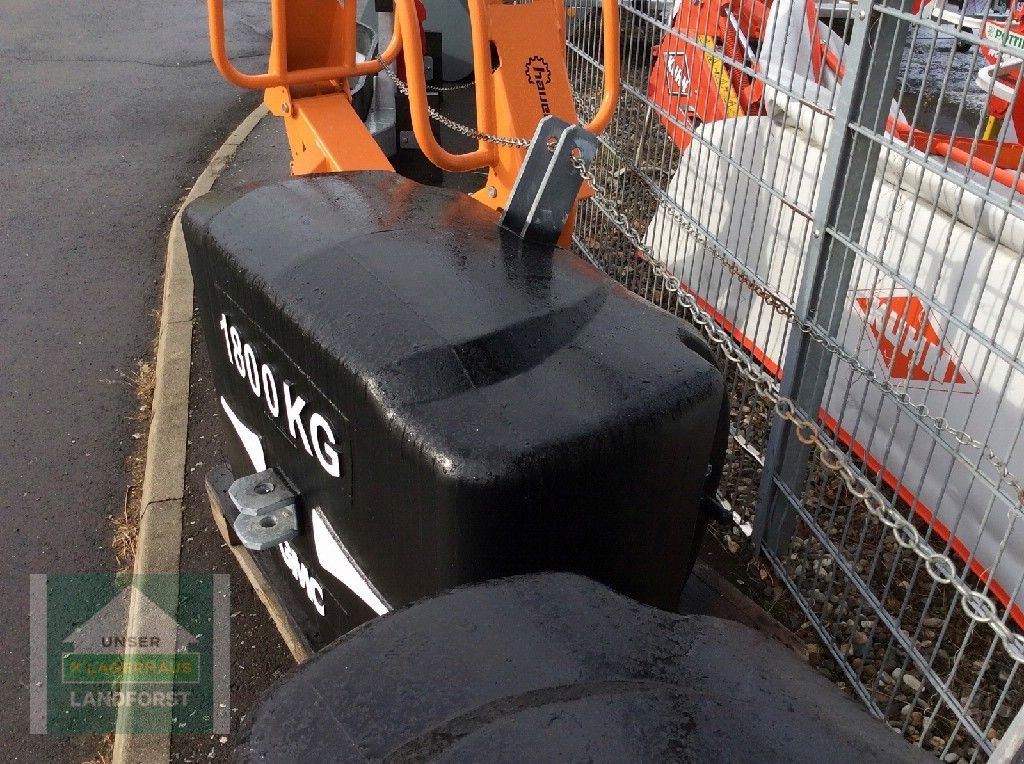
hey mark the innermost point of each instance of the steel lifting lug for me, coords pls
(266, 507)
(545, 190)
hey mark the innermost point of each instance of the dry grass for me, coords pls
(106, 753)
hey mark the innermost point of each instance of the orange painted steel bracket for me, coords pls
(521, 77)
(302, 19)
(326, 135)
(612, 85)
(526, 81)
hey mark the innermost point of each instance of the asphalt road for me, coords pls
(109, 112)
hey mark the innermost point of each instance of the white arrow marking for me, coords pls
(336, 560)
(250, 440)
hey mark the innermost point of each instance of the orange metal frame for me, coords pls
(313, 56)
(518, 58)
(529, 82)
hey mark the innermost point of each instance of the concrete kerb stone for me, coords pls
(177, 280)
(165, 453)
(161, 519)
(159, 541)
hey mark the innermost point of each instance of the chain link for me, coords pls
(451, 124)
(978, 606)
(774, 301)
(453, 88)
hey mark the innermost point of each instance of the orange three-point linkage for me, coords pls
(520, 71)
(521, 77)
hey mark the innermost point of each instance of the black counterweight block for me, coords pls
(457, 404)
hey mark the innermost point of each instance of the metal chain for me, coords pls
(977, 605)
(451, 124)
(452, 88)
(818, 335)
(775, 302)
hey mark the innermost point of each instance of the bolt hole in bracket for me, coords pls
(547, 185)
(266, 510)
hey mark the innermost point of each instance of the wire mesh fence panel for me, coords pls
(833, 191)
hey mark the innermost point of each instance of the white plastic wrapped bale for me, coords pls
(933, 306)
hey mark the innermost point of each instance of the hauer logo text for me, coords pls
(281, 398)
(539, 74)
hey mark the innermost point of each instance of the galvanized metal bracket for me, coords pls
(266, 507)
(545, 189)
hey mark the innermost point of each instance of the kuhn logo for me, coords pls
(539, 74)
(678, 70)
(908, 341)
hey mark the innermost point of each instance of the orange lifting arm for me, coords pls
(612, 86)
(219, 51)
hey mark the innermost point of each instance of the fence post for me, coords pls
(852, 156)
(1011, 748)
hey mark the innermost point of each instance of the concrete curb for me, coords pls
(163, 488)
